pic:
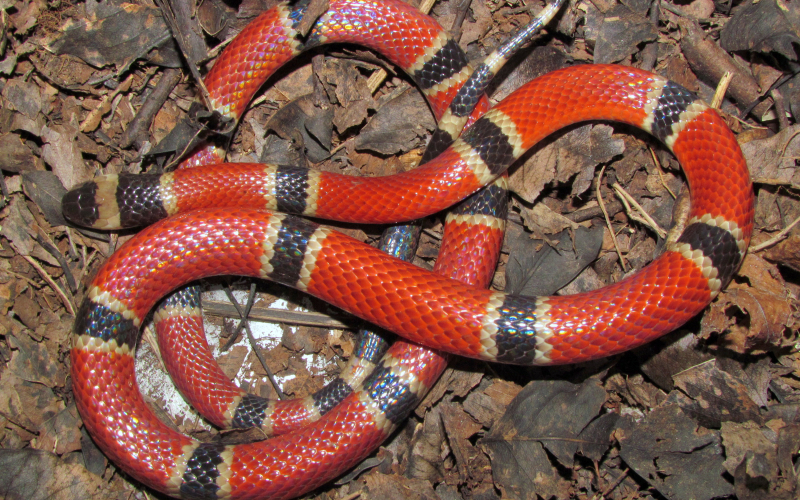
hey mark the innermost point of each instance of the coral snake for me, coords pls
(206, 236)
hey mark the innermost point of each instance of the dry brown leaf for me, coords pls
(62, 153)
(765, 303)
(542, 220)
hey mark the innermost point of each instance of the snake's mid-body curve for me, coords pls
(419, 305)
(470, 247)
(178, 321)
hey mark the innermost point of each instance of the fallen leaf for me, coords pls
(397, 126)
(543, 272)
(40, 475)
(766, 26)
(677, 459)
(62, 153)
(15, 156)
(713, 395)
(754, 317)
(113, 34)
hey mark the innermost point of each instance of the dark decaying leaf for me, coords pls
(773, 157)
(670, 355)
(524, 68)
(61, 433)
(397, 126)
(33, 361)
(744, 441)
(542, 272)
(62, 153)
(786, 252)
(712, 395)
(621, 31)
(279, 151)
(424, 460)
(574, 154)
(595, 439)
(28, 404)
(767, 314)
(307, 125)
(46, 191)
(15, 156)
(345, 87)
(396, 487)
(25, 96)
(28, 311)
(459, 428)
(545, 415)
(40, 475)
(185, 134)
(765, 26)
(488, 405)
(118, 35)
(16, 225)
(670, 452)
(788, 444)
(93, 458)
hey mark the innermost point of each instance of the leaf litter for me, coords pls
(709, 411)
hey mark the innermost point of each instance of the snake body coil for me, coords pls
(255, 239)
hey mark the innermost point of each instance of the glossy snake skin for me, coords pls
(255, 239)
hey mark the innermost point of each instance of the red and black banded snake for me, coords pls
(419, 305)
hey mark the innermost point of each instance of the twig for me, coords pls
(308, 318)
(644, 218)
(788, 141)
(778, 84)
(169, 17)
(775, 239)
(461, 14)
(62, 261)
(722, 88)
(613, 485)
(242, 315)
(660, 173)
(73, 249)
(426, 6)
(252, 341)
(150, 336)
(780, 108)
(376, 79)
(22, 277)
(52, 283)
(216, 50)
(776, 182)
(94, 117)
(169, 79)
(650, 52)
(608, 221)
(585, 214)
(675, 10)
(3, 29)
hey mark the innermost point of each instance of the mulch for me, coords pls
(711, 410)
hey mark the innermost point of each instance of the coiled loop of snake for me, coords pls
(421, 306)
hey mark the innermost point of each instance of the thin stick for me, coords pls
(722, 87)
(644, 218)
(252, 340)
(660, 173)
(788, 141)
(775, 182)
(52, 283)
(608, 221)
(775, 239)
